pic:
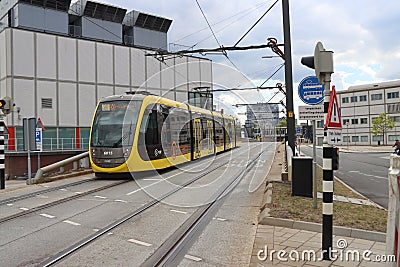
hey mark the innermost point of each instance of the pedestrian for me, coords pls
(396, 147)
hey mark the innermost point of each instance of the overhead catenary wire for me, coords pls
(243, 13)
(204, 15)
(265, 13)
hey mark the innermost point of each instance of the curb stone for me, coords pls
(266, 219)
(317, 227)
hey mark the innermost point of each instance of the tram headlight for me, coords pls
(126, 152)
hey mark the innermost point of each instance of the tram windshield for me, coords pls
(114, 124)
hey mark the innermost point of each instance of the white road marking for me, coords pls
(138, 242)
(62, 189)
(109, 233)
(387, 157)
(167, 178)
(9, 204)
(179, 211)
(78, 192)
(220, 219)
(152, 179)
(23, 208)
(354, 171)
(47, 215)
(120, 200)
(96, 230)
(72, 223)
(46, 186)
(101, 197)
(380, 177)
(193, 258)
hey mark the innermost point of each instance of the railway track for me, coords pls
(166, 253)
(47, 190)
(59, 201)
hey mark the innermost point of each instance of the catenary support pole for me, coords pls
(2, 156)
(327, 183)
(290, 120)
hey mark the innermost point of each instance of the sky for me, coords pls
(363, 34)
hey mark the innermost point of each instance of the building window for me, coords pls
(353, 99)
(355, 139)
(363, 120)
(201, 99)
(393, 108)
(395, 118)
(363, 98)
(345, 121)
(364, 138)
(376, 97)
(345, 100)
(346, 138)
(394, 137)
(377, 138)
(47, 103)
(320, 124)
(393, 95)
(354, 121)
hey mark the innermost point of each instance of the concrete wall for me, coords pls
(76, 73)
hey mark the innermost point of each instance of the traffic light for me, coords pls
(2, 103)
(322, 62)
(6, 105)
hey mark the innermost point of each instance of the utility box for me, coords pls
(302, 182)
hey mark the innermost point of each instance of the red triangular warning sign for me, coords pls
(333, 120)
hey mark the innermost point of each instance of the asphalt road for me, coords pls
(367, 173)
(31, 239)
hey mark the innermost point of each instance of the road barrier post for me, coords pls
(393, 222)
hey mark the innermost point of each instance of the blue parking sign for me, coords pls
(38, 135)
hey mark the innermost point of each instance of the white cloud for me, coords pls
(362, 33)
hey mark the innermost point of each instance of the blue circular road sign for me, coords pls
(310, 91)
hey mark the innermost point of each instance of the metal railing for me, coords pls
(78, 161)
(49, 144)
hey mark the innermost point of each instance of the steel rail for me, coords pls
(33, 194)
(167, 253)
(80, 244)
(59, 201)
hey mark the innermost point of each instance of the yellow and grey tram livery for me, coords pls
(140, 132)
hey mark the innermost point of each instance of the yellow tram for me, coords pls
(141, 132)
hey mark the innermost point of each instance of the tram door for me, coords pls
(210, 137)
(197, 134)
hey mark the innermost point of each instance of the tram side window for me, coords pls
(219, 134)
(204, 125)
(151, 134)
(166, 130)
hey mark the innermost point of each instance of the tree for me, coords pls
(282, 123)
(381, 125)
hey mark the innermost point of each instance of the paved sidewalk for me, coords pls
(308, 244)
(295, 242)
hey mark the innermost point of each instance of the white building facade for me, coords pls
(60, 78)
(359, 105)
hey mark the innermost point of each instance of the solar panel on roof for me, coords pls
(104, 12)
(51, 4)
